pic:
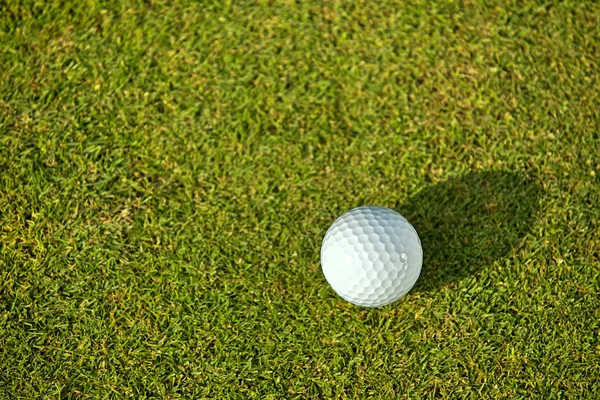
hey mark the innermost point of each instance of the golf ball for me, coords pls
(371, 256)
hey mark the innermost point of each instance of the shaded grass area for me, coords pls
(470, 222)
(168, 170)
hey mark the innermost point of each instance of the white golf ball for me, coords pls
(371, 256)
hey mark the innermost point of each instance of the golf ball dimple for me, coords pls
(371, 256)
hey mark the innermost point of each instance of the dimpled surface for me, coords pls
(371, 256)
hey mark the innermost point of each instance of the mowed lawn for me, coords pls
(168, 170)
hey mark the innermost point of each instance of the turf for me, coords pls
(168, 170)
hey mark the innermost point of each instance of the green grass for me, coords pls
(168, 170)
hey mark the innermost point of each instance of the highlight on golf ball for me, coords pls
(371, 256)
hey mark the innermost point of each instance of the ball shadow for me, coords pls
(467, 223)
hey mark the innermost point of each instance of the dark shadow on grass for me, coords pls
(469, 222)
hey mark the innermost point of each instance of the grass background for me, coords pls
(168, 170)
